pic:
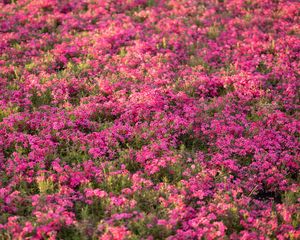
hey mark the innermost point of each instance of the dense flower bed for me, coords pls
(147, 119)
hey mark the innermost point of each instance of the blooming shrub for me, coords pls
(147, 119)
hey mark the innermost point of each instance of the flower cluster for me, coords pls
(149, 119)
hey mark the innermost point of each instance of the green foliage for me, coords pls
(13, 86)
(18, 148)
(170, 174)
(71, 153)
(248, 17)
(130, 163)
(192, 143)
(291, 197)
(27, 188)
(75, 97)
(71, 233)
(41, 98)
(254, 117)
(6, 112)
(230, 70)
(122, 52)
(263, 68)
(196, 61)
(163, 44)
(213, 110)
(23, 209)
(223, 90)
(244, 160)
(151, 3)
(222, 175)
(89, 216)
(137, 142)
(78, 69)
(102, 116)
(273, 81)
(148, 202)
(30, 66)
(116, 183)
(147, 227)
(92, 212)
(213, 32)
(232, 221)
(45, 185)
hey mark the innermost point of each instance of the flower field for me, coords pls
(149, 119)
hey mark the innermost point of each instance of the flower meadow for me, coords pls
(147, 119)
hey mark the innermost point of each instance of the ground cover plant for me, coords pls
(147, 119)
